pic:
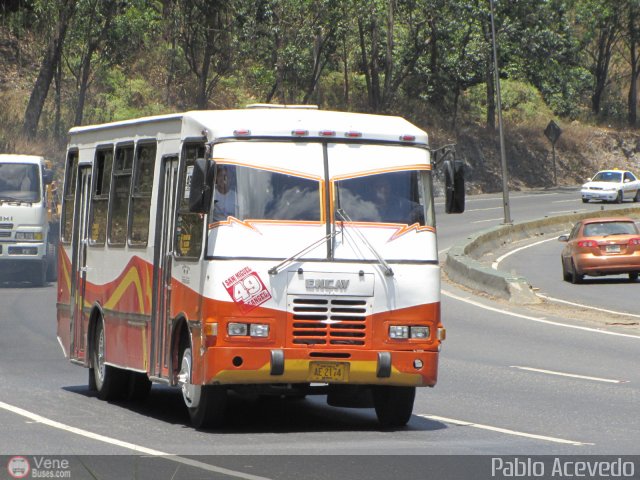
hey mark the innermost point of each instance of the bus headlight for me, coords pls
(420, 332)
(237, 329)
(259, 330)
(398, 331)
(29, 236)
(401, 332)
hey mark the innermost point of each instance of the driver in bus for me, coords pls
(392, 206)
(225, 199)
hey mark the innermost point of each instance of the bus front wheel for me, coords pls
(110, 382)
(206, 403)
(394, 405)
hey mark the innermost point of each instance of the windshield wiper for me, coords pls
(385, 266)
(9, 199)
(292, 258)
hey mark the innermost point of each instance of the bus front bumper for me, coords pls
(228, 366)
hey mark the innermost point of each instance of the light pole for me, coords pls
(505, 173)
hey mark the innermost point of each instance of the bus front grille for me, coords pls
(329, 321)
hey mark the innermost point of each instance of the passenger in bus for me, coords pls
(225, 199)
(393, 207)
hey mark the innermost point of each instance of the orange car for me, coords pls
(601, 246)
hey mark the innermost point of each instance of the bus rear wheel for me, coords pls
(110, 383)
(394, 405)
(206, 404)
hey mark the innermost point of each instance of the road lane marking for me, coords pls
(575, 210)
(537, 319)
(489, 220)
(559, 300)
(506, 431)
(566, 201)
(571, 375)
(131, 446)
(483, 209)
(494, 265)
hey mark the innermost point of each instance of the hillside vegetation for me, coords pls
(577, 62)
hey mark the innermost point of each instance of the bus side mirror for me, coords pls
(47, 176)
(454, 186)
(200, 189)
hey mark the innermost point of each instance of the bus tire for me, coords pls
(110, 382)
(206, 404)
(394, 405)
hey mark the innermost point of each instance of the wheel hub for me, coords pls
(190, 392)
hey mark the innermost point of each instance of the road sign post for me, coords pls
(553, 132)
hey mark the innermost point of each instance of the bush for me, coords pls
(521, 103)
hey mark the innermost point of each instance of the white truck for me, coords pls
(29, 222)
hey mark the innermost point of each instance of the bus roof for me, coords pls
(267, 121)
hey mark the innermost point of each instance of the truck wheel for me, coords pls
(39, 274)
(394, 405)
(110, 382)
(52, 268)
(206, 403)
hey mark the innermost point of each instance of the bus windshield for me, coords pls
(248, 193)
(392, 197)
(19, 182)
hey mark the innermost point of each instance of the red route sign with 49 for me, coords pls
(247, 289)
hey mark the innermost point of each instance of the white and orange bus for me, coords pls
(286, 251)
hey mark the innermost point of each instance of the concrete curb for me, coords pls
(463, 266)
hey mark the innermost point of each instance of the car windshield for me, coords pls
(255, 194)
(601, 229)
(19, 182)
(393, 197)
(608, 177)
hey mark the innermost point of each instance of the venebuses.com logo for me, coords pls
(18, 467)
(38, 467)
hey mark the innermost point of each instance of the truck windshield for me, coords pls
(19, 182)
(392, 197)
(248, 193)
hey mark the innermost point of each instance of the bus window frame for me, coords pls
(182, 170)
(134, 178)
(102, 197)
(70, 180)
(120, 145)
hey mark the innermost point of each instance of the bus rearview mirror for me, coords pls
(199, 188)
(454, 186)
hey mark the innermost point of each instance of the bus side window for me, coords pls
(141, 196)
(71, 172)
(120, 192)
(189, 226)
(100, 195)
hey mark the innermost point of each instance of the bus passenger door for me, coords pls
(163, 256)
(80, 242)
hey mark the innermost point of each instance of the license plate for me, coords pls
(328, 371)
(613, 249)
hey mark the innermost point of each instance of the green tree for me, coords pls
(206, 33)
(54, 19)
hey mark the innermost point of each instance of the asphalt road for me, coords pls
(512, 382)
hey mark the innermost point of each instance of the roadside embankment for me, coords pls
(463, 263)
